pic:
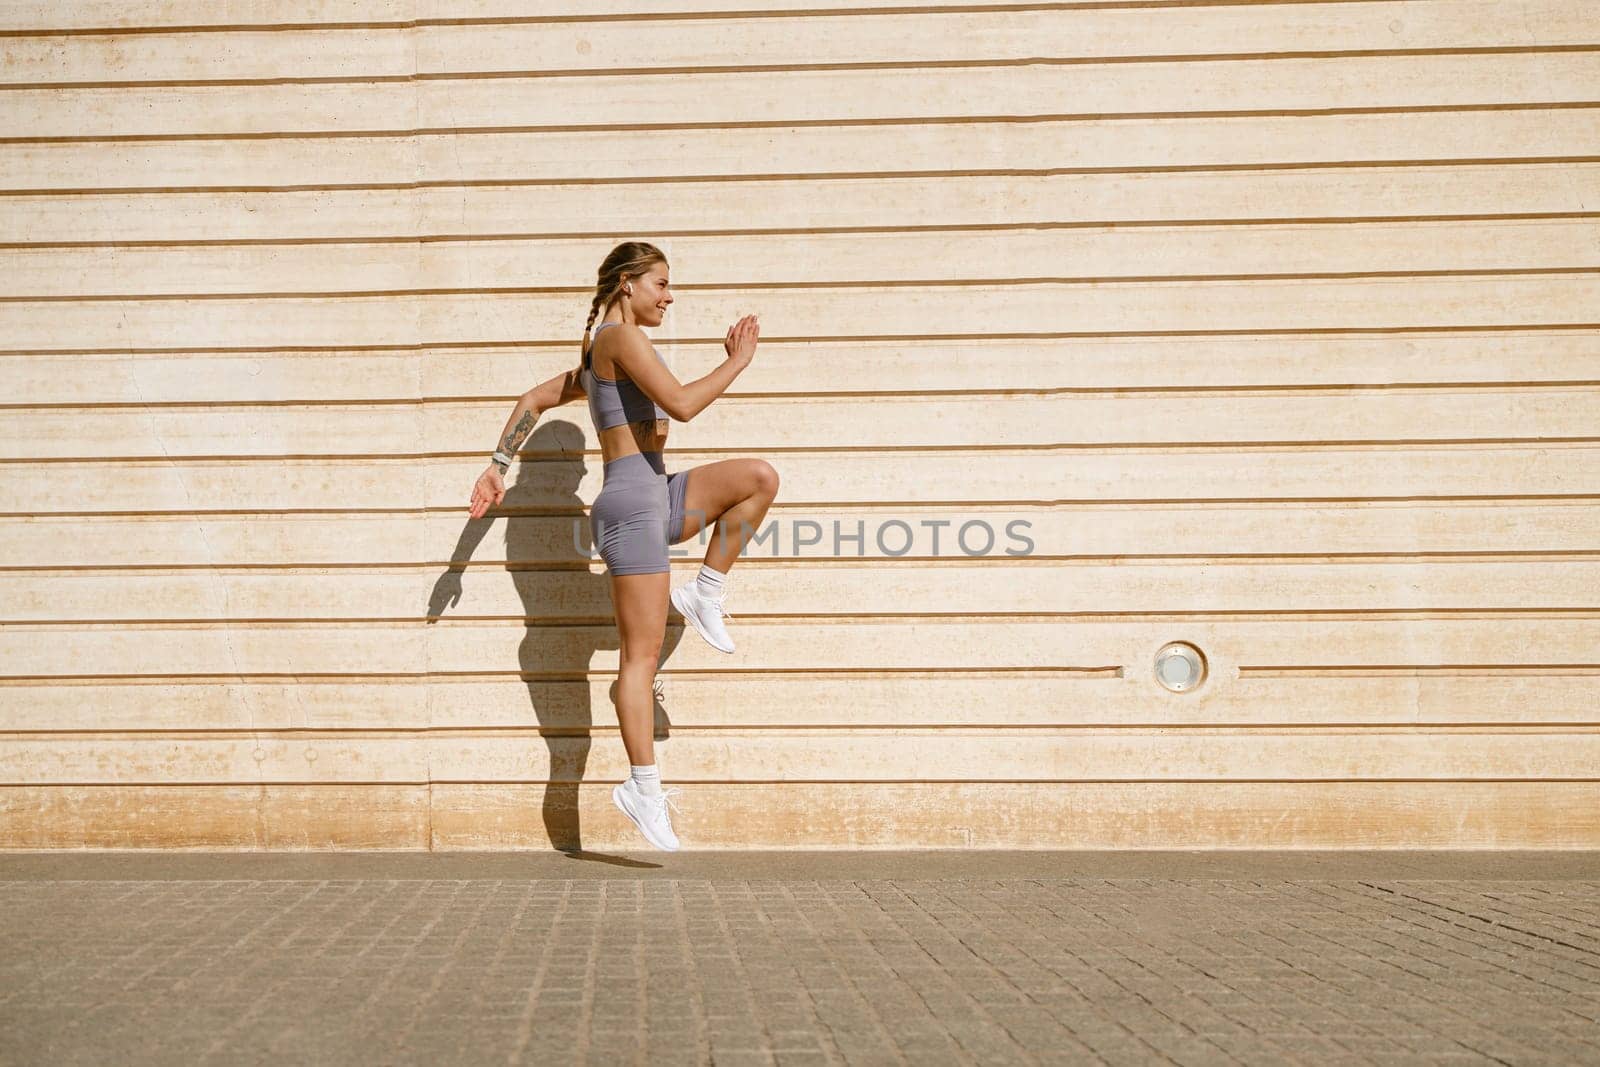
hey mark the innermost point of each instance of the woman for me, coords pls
(642, 509)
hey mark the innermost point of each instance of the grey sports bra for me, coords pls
(614, 401)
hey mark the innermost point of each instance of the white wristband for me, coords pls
(502, 458)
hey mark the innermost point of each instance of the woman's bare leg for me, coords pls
(640, 601)
(734, 494)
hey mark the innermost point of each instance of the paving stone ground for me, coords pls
(801, 958)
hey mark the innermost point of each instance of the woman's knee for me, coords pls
(639, 655)
(765, 476)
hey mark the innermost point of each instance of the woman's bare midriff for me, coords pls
(648, 435)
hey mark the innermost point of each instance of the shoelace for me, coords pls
(665, 799)
(720, 602)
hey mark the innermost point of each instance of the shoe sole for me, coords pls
(692, 621)
(616, 799)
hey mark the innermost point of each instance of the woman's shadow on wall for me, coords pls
(568, 617)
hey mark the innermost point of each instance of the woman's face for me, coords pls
(651, 296)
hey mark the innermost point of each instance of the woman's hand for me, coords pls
(741, 340)
(488, 491)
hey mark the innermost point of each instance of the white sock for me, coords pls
(711, 583)
(647, 779)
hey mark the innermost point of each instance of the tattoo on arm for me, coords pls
(519, 433)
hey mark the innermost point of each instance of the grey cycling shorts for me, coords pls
(638, 513)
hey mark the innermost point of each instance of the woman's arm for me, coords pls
(490, 488)
(684, 400)
(554, 392)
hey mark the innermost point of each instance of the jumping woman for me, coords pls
(641, 509)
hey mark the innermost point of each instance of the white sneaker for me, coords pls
(704, 613)
(649, 814)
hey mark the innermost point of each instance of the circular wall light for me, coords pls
(1180, 666)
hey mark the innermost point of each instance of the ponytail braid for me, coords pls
(588, 327)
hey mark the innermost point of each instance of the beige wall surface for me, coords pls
(1272, 325)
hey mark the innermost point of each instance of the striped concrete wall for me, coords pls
(1275, 323)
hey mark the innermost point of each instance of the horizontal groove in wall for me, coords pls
(889, 283)
(941, 730)
(790, 124)
(569, 783)
(1421, 670)
(757, 618)
(1331, 389)
(562, 343)
(1084, 502)
(1210, 559)
(814, 231)
(1103, 673)
(408, 678)
(700, 179)
(687, 14)
(1110, 392)
(1231, 447)
(1127, 391)
(799, 68)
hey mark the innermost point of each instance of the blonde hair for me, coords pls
(627, 260)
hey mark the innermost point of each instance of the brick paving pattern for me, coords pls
(823, 971)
